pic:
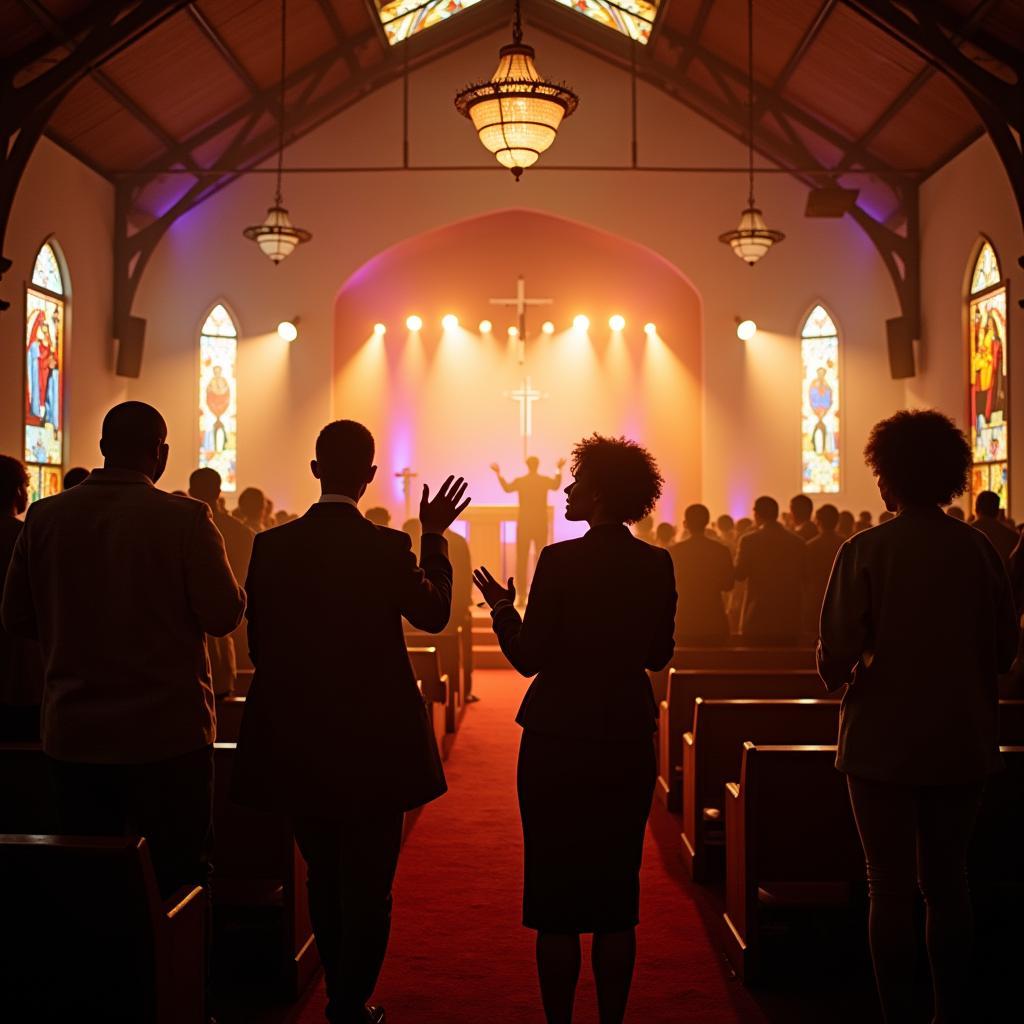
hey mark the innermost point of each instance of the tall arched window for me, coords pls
(218, 396)
(819, 352)
(988, 392)
(45, 340)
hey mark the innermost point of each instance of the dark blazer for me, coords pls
(703, 572)
(601, 611)
(919, 620)
(334, 720)
(771, 560)
(21, 666)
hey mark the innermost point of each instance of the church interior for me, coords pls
(737, 233)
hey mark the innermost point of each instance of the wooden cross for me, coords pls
(521, 303)
(407, 476)
(525, 395)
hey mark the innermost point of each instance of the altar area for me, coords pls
(491, 533)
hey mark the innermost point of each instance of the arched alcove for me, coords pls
(441, 401)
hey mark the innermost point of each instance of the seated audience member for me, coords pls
(601, 611)
(21, 669)
(863, 522)
(665, 535)
(845, 525)
(726, 529)
(119, 582)
(918, 621)
(414, 531)
(771, 560)
(956, 512)
(884, 517)
(801, 508)
(74, 476)
(268, 514)
(335, 733)
(379, 516)
(820, 555)
(251, 508)
(644, 530)
(703, 573)
(1003, 538)
(204, 485)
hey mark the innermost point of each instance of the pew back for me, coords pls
(734, 658)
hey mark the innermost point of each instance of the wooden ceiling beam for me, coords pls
(699, 23)
(800, 51)
(220, 45)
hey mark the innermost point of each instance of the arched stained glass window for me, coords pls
(404, 18)
(819, 351)
(218, 396)
(45, 341)
(988, 390)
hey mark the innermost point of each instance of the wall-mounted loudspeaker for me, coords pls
(130, 342)
(901, 348)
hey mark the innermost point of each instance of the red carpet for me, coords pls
(458, 952)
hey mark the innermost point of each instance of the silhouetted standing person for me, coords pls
(532, 522)
(918, 621)
(771, 560)
(335, 733)
(820, 557)
(602, 610)
(801, 508)
(74, 476)
(252, 508)
(703, 573)
(1003, 538)
(119, 582)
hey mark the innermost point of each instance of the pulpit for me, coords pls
(491, 533)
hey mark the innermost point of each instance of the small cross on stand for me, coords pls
(521, 303)
(407, 476)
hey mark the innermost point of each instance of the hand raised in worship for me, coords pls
(560, 463)
(494, 466)
(492, 590)
(439, 512)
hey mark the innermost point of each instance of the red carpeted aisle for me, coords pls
(459, 954)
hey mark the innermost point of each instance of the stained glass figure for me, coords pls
(404, 18)
(218, 398)
(633, 18)
(819, 350)
(988, 380)
(45, 317)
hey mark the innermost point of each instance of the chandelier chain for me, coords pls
(750, 94)
(517, 28)
(280, 115)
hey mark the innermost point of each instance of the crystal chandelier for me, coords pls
(516, 114)
(753, 238)
(277, 237)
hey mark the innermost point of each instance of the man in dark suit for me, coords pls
(771, 560)
(1004, 539)
(119, 582)
(704, 573)
(335, 733)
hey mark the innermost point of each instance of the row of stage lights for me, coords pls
(450, 322)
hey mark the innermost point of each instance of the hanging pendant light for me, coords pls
(516, 114)
(277, 237)
(753, 238)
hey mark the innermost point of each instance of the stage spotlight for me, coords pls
(449, 322)
(650, 330)
(513, 332)
(379, 330)
(548, 327)
(745, 329)
(581, 323)
(486, 327)
(414, 323)
(617, 322)
(287, 331)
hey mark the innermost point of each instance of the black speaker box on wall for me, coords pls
(901, 348)
(130, 343)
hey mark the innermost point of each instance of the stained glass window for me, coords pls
(45, 319)
(819, 350)
(404, 18)
(218, 397)
(988, 388)
(632, 18)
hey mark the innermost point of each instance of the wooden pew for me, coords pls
(712, 752)
(26, 795)
(995, 861)
(243, 680)
(257, 866)
(734, 657)
(1011, 723)
(686, 685)
(790, 841)
(86, 935)
(229, 718)
(440, 697)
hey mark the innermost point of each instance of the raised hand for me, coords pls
(494, 466)
(492, 590)
(438, 513)
(560, 463)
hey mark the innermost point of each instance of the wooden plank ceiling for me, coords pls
(200, 90)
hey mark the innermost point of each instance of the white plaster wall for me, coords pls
(968, 198)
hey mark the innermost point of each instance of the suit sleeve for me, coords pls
(1017, 573)
(728, 577)
(1006, 622)
(527, 643)
(18, 611)
(216, 599)
(663, 642)
(253, 598)
(424, 591)
(742, 560)
(845, 618)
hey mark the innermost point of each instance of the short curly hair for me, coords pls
(625, 473)
(920, 456)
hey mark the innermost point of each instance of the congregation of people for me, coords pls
(127, 611)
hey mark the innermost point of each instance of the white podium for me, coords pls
(490, 531)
